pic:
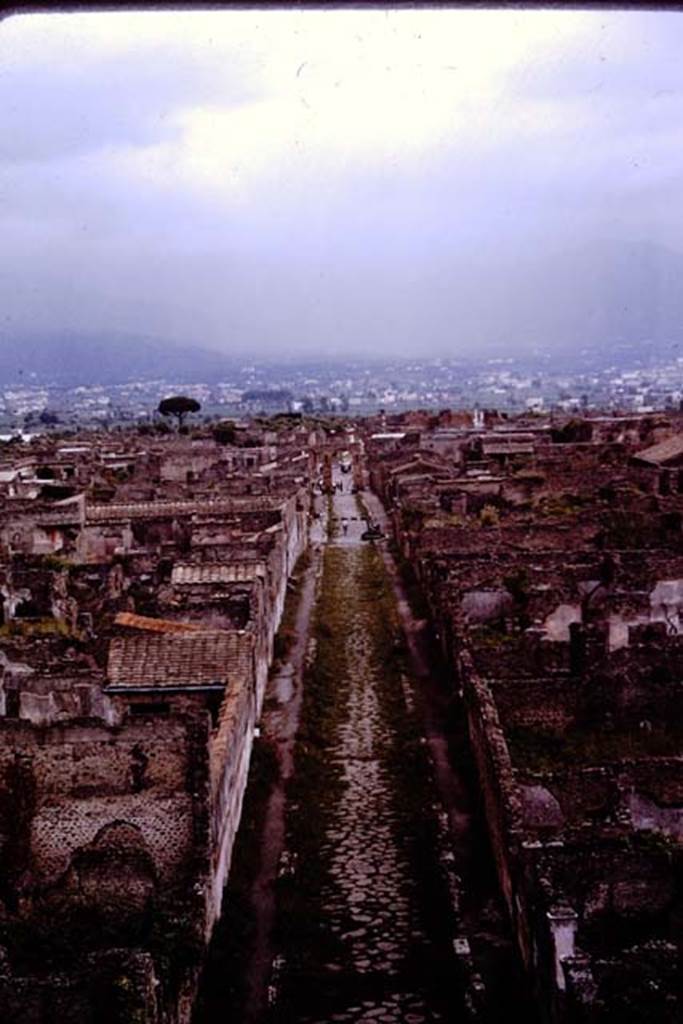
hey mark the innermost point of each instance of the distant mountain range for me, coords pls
(73, 359)
(608, 303)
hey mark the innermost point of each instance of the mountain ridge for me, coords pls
(72, 359)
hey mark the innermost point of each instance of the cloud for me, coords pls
(306, 178)
(67, 87)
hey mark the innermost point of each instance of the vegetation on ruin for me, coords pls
(558, 505)
(490, 634)
(58, 563)
(518, 585)
(489, 516)
(38, 628)
(125, 1001)
(224, 432)
(575, 431)
(445, 519)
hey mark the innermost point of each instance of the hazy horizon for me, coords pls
(279, 184)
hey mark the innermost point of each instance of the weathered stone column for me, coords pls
(562, 921)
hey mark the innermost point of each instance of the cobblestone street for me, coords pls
(361, 879)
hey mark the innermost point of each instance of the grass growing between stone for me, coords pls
(316, 784)
(414, 788)
(359, 648)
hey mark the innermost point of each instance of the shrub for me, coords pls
(489, 516)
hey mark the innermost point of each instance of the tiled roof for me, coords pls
(185, 574)
(672, 448)
(199, 659)
(419, 462)
(159, 509)
(411, 478)
(509, 436)
(507, 448)
(151, 625)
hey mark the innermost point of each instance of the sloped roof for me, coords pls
(663, 452)
(507, 448)
(160, 509)
(433, 463)
(158, 661)
(187, 574)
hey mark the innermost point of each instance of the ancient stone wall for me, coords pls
(230, 753)
(499, 793)
(79, 777)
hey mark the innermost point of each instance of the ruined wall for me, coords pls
(648, 791)
(499, 794)
(229, 756)
(78, 778)
(562, 616)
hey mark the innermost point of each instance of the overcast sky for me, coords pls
(327, 181)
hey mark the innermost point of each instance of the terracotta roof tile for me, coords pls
(197, 659)
(159, 509)
(186, 574)
(672, 448)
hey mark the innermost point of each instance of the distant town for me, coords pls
(510, 385)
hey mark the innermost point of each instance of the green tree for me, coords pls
(178, 406)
